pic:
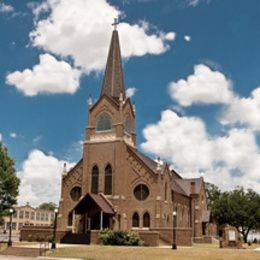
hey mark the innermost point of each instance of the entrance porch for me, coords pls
(92, 214)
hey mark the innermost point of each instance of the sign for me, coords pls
(231, 235)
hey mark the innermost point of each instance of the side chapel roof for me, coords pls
(186, 184)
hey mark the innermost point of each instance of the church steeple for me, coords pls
(113, 82)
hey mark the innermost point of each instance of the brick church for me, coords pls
(116, 186)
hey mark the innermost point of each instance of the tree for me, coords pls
(9, 183)
(213, 193)
(238, 208)
(48, 206)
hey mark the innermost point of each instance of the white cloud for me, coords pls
(187, 38)
(37, 139)
(195, 3)
(13, 135)
(175, 137)
(227, 161)
(130, 92)
(244, 111)
(170, 36)
(50, 76)
(85, 30)
(4, 8)
(205, 86)
(40, 178)
(1, 137)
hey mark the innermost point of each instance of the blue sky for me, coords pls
(192, 67)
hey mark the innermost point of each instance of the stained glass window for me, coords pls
(94, 180)
(135, 220)
(108, 180)
(141, 192)
(128, 125)
(146, 220)
(104, 122)
(75, 193)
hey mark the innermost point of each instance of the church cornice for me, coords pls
(133, 153)
(128, 101)
(75, 168)
(109, 99)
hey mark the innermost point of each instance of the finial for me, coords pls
(158, 168)
(115, 23)
(90, 101)
(121, 97)
(64, 169)
(134, 108)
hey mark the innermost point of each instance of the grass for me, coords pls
(2, 246)
(25, 243)
(144, 253)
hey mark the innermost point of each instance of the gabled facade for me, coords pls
(114, 185)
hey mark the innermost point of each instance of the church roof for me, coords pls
(151, 164)
(91, 199)
(185, 185)
(175, 175)
(177, 188)
(113, 82)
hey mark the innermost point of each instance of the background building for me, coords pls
(27, 216)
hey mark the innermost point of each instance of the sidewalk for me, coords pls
(9, 257)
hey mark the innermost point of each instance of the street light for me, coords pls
(9, 243)
(53, 245)
(174, 244)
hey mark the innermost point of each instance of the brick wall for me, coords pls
(32, 233)
(183, 235)
(150, 238)
(94, 237)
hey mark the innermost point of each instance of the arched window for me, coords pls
(135, 220)
(108, 180)
(75, 193)
(127, 125)
(94, 180)
(70, 219)
(104, 122)
(141, 192)
(146, 220)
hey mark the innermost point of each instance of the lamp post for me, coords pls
(53, 245)
(174, 244)
(9, 243)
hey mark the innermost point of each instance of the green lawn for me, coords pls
(200, 252)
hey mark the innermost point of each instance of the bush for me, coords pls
(50, 239)
(30, 238)
(120, 238)
(39, 238)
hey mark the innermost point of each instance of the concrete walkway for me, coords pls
(37, 245)
(10, 257)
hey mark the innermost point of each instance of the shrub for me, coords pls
(39, 238)
(50, 239)
(120, 238)
(30, 238)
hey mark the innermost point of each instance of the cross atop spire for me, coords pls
(113, 82)
(115, 23)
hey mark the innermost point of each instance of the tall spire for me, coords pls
(113, 82)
